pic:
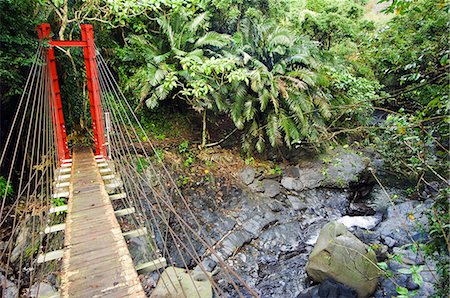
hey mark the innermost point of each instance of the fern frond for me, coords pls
(213, 39)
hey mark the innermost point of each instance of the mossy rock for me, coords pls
(340, 256)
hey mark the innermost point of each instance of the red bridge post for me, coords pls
(55, 97)
(87, 35)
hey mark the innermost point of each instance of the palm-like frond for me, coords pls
(213, 39)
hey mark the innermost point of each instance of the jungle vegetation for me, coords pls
(285, 73)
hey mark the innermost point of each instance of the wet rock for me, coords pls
(10, 291)
(43, 290)
(339, 255)
(292, 183)
(271, 187)
(193, 284)
(247, 175)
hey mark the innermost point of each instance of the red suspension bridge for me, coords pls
(74, 209)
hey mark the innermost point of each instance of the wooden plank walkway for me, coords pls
(96, 261)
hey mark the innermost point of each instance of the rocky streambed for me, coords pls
(266, 225)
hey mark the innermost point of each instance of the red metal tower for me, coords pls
(87, 43)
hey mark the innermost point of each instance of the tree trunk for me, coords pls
(202, 146)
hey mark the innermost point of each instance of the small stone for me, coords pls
(296, 203)
(291, 183)
(271, 187)
(389, 241)
(247, 175)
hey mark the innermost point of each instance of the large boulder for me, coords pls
(340, 256)
(345, 167)
(177, 283)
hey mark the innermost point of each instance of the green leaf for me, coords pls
(402, 291)
(382, 265)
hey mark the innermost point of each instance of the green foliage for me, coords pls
(5, 188)
(409, 146)
(438, 247)
(18, 45)
(183, 147)
(142, 164)
(58, 202)
(276, 170)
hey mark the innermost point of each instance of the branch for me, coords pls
(222, 140)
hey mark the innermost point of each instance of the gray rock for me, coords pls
(296, 203)
(311, 177)
(292, 172)
(271, 187)
(340, 256)
(43, 290)
(247, 175)
(257, 223)
(232, 242)
(345, 167)
(10, 291)
(257, 186)
(292, 183)
(404, 216)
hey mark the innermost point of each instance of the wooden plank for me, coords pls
(109, 177)
(62, 184)
(125, 211)
(102, 164)
(64, 194)
(66, 160)
(135, 233)
(55, 228)
(151, 266)
(96, 260)
(63, 170)
(118, 196)
(105, 171)
(58, 209)
(115, 184)
(66, 165)
(50, 256)
(62, 177)
(100, 160)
